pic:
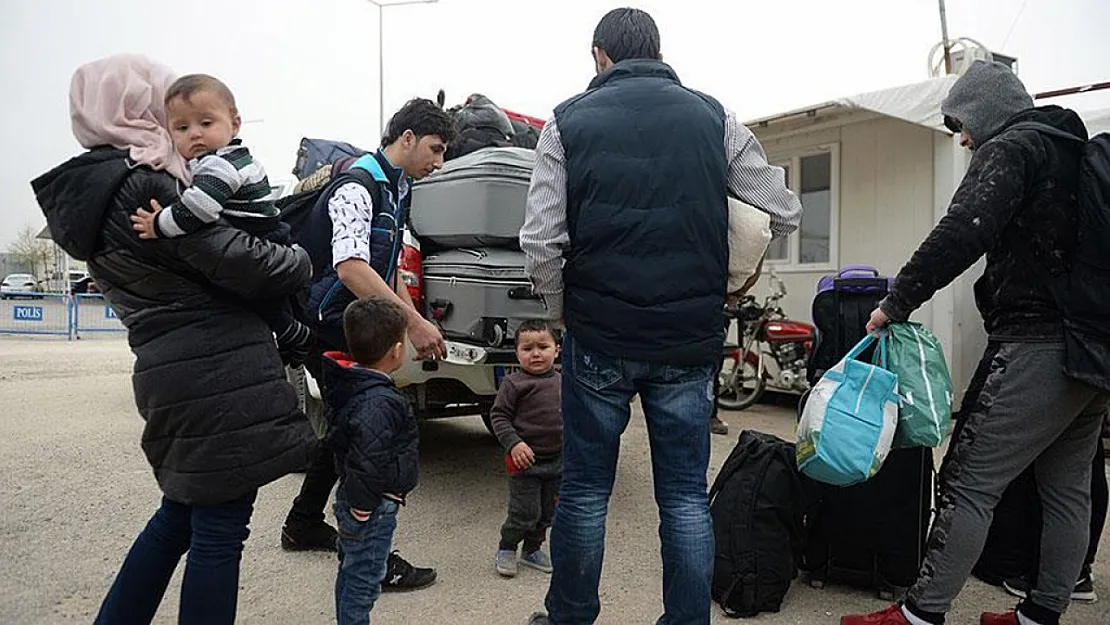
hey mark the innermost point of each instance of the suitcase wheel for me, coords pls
(817, 583)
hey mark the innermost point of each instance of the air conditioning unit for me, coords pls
(1008, 61)
(963, 52)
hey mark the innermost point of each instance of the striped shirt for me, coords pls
(226, 183)
(544, 236)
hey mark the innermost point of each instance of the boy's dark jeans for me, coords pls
(532, 496)
(363, 556)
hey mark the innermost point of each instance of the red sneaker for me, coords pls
(890, 616)
(996, 618)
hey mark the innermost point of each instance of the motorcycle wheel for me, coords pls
(740, 388)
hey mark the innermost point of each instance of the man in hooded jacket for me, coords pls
(1017, 205)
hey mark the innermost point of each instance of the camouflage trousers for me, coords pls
(1020, 410)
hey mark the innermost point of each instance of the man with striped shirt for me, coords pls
(626, 234)
(227, 183)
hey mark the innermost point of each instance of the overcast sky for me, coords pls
(301, 68)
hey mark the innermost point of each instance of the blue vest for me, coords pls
(328, 297)
(647, 216)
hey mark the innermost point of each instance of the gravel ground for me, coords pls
(75, 490)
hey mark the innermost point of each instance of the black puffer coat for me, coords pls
(221, 420)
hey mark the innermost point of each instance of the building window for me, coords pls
(813, 178)
(815, 191)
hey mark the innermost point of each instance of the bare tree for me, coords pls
(36, 253)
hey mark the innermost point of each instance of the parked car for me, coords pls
(83, 285)
(21, 285)
(464, 383)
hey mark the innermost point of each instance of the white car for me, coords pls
(20, 285)
(465, 383)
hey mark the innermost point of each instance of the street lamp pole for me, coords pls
(382, 4)
(381, 70)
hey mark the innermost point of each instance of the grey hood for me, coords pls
(984, 98)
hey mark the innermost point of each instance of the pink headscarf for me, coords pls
(119, 101)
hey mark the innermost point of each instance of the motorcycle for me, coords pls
(772, 352)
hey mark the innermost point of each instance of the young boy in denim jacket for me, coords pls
(374, 436)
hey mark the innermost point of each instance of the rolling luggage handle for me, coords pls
(844, 271)
(439, 309)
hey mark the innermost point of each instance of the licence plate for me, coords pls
(460, 354)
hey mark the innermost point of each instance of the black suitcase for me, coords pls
(841, 309)
(872, 534)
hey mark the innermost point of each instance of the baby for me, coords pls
(227, 183)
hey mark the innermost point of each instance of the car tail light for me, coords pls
(411, 268)
(536, 122)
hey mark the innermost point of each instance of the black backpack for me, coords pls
(480, 124)
(297, 209)
(757, 507)
(475, 138)
(1083, 295)
(525, 135)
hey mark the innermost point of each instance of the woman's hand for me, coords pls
(143, 221)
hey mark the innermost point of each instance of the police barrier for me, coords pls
(36, 313)
(91, 314)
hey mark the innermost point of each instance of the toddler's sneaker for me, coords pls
(537, 560)
(506, 562)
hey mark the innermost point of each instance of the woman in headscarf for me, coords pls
(221, 421)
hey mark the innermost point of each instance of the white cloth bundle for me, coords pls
(749, 234)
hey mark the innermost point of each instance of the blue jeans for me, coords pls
(363, 553)
(213, 536)
(597, 392)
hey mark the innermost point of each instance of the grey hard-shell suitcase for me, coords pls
(480, 295)
(476, 200)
